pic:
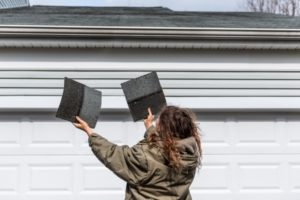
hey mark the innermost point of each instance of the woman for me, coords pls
(163, 165)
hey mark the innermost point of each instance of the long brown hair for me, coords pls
(176, 123)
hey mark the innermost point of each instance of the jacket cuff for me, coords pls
(150, 130)
(91, 138)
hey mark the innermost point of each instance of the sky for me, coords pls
(182, 5)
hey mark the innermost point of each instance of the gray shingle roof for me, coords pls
(142, 16)
(13, 3)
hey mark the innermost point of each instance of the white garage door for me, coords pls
(246, 156)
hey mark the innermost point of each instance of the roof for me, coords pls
(142, 17)
(145, 27)
(13, 3)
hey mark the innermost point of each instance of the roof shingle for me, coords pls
(143, 17)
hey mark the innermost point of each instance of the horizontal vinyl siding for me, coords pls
(191, 84)
(187, 74)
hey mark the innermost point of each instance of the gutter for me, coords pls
(16, 36)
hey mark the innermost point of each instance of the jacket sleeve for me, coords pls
(129, 163)
(150, 130)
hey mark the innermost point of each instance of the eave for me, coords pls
(18, 36)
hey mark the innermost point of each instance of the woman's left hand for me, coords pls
(82, 125)
(148, 121)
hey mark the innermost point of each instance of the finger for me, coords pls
(79, 120)
(77, 125)
(149, 111)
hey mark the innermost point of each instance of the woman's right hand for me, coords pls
(82, 125)
(148, 121)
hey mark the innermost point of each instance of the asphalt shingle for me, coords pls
(142, 16)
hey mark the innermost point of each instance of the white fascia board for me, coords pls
(14, 36)
(111, 103)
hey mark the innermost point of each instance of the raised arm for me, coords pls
(130, 164)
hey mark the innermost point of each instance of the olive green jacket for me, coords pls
(145, 168)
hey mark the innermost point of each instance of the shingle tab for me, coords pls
(144, 92)
(79, 100)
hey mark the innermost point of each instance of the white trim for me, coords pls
(270, 104)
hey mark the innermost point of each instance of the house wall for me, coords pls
(247, 103)
(215, 79)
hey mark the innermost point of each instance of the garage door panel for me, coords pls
(205, 181)
(260, 177)
(10, 134)
(258, 135)
(292, 132)
(256, 132)
(278, 134)
(45, 175)
(10, 173)
(246, 156)
(51, 134)
(248, 176)
(292, 136)
(54, 178)
(294, 177)
(215, 132)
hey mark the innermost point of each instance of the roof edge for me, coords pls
(147, 37)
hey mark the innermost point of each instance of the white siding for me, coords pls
(192, 74)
